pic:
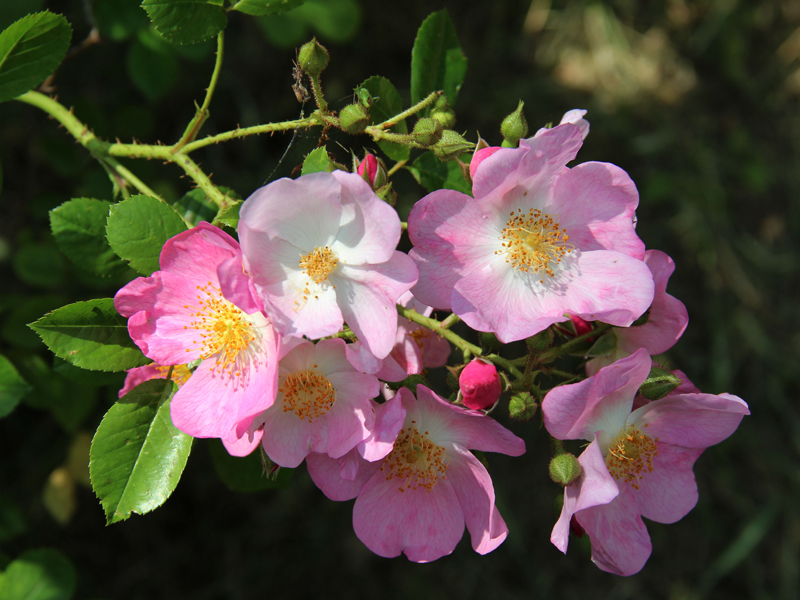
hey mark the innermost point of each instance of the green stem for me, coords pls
(241, 132)
(202, 180)
(316, 88)
(397, 166)
(422, 104)
(506, 364)
(450, 320)
(554, 353)
(437, 328)
(202, 113)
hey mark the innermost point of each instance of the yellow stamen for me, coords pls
(180, 373)
(630, 455)
(532, 241)
(415, 460)
(319, 264)
(308, 394)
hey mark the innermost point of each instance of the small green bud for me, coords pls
(489, 342)
(659, 383)
(313, 58)
(451, 146)
(522, 407)
(443, 113)
(427, 131)
(540, 342)
(514, 127)
(565, 469)
(354, 118)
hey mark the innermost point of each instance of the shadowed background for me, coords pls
(697, 101)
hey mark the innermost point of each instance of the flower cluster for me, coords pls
(286, 342)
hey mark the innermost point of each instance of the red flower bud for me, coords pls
(370, 166)
(480, 385)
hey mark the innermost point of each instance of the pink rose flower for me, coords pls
(321, 250)
(183, 313)
(479, 385)
(665, 325)
(537, 242)
(137, 375)
(639, 462)
(418, 499)
(323, 405)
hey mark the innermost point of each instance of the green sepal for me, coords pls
(564, 469)
(659, 383)
(522, 407)
(317, 161)
(605, 344)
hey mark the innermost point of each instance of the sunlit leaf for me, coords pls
(137, 454)
(316, 161)
(387, 102)
(12, 386)
(187, 21)
(266, 7)
(437, 61)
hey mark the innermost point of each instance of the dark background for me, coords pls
(698, 101)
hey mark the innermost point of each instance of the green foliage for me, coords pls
(90, 335)
(152, 65)
(437, 61)
(659, 383)
(43, 574)
(316, 161)
(79, 228)
(138, 455)
(137, 229)
(230, 216)
(333, 20)
(196, 206)
(12, 522)
(119, 19)
(260, 8)
(39, 264)
(387, 102)
(12, 386)
(30, 50)
(433, 174)
(187, 21)
(605, 344)
(246, 473)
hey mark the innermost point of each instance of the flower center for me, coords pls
(630, 455)
(225, 329)
(532, 241)
(319, 264)
(308, 394)
(180, 373)
(416, 460)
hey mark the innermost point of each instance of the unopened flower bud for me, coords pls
(480, 385)
(540, 342)
(522, 407)
(489, 342)
(368, 168)
(443, 113)
(514, 127)
(313, 58)
(659, 383)
(451, 146)
(354, 118)
(427, 131)
(565, 469)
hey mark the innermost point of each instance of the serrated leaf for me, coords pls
(137, 229)
(138, 455)
(12, 386)
(30, 50)
(260, 8)
(230, 216)
(79, 228)
(196, 206)
(317, 161)
(437, 61)
(90, 335)
(387, 102)
(42, 574)
(245, 473)
(434, 175)
(186, 21)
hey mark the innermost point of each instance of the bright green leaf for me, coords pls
(433, 174)
(186, 21)
(138, 455)
(79, 227)
(230, 216)
(386, 104)
(30, 50)
(12, 386)
(316, 161)
(90, 335)
(334, 20)
(137, 229)
(437, 61)
(196, 206)
(245, 474)
(43, 574)
(266, 7)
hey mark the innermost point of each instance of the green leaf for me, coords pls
(186, 21)
(245, 474)
(260, 8)
(30, 50)
(138, 455)
(152, 66)
(39, 264)
(90, 378)
(433, 174)
(387, 103)
(90, 335)
(79, 228)
(138, 228)
(119, 19)
(196, 206)
(437, 61)
(12, 386)
(605, 344)
(43, 574)
(316, 161)
(230, 216)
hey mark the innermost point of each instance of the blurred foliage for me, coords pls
(698, 101)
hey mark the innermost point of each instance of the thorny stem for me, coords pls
(397, 166)
(505, 363)
(450, 320)
(437, 328)
(316, 89)
(567, 347)
(310, 121)
(430, 99)
(202, 113)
